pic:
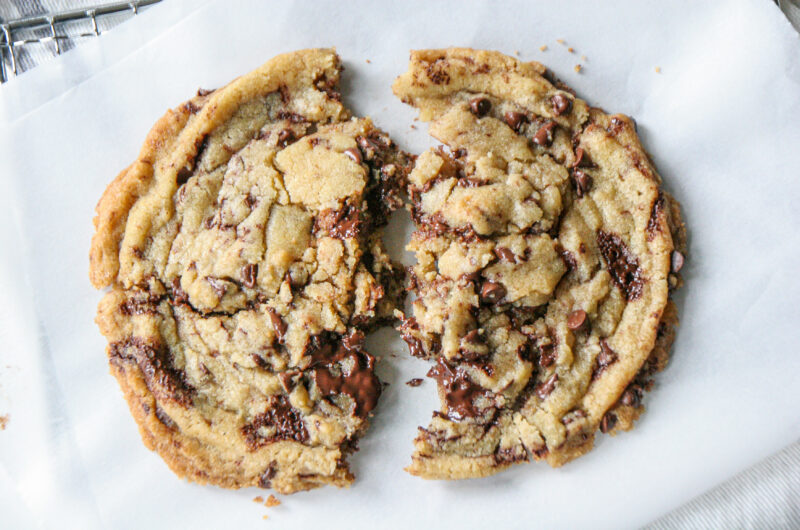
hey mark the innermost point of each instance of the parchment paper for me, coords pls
(720, 119)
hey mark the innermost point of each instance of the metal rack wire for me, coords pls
(57, 31)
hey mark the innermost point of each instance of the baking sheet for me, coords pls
(720, 120)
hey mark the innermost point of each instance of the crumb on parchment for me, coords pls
(259, 499)
(272, 501)
(658, 69)
(543, 48)
(578, 68)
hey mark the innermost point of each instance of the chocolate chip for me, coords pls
(414, 382)
(492, 292)
(676, 261)
(577, 320)
(249, 275)
(285, 137)
(632, 396)
(505, 254)
(219, 286)
(515, 119)
(473, 337)
(547, 355)
(204, 92)
(561, 104)
(544, 136)
(604, 359)
(286, 380)
(183, 176)
(608, 422)
(582, 159)
(480, 106)
(354, 154)
(277, 324)
(546, 388)
(583, 182)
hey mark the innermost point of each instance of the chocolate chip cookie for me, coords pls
(546, 254)
(243, 254)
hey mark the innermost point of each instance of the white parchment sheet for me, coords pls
(721, 119)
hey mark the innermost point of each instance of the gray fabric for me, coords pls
(764, 496)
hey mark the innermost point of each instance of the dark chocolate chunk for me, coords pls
(285, 137)
(608, 422)
(583, 182)
(545, 388)
(632, 396)
(492, 292)
(265, 480)
(621, 264)
(577, 320)
(354, 154)
(515, 120)
(604, 359)
(505, 254)
(183, 175)
(220, 286)
(547, 355)
(155, 362)
(544, 136)
(474, 337)
(437, 72)
(342, 223)
(480, 106)
(653, 223)
(582, 159)
(277, 324)
(356, 378)
(280, 417)
(459, 391)
(561, 104)
(250, 275)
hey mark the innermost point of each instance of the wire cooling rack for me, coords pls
(22, 39)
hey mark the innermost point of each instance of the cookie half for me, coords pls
(546, 254)
(243, 254)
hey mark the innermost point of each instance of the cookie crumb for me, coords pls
(265, 517)
(413, 126)
(571, 49)
(578, 68)
(561, 41)
(658, 69)
(543, 48)
(516, 52)
(414, 382)
(259, 499)
(272, 501)
(369, 62)
(3, 422)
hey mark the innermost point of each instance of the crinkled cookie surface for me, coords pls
(243, 254)
(546, 253)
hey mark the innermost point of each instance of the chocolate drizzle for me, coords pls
(622, 265)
